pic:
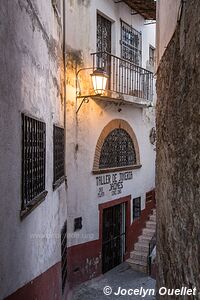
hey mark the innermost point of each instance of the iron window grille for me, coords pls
(103, 34)
(104, 44)
(64, 254)
(58, 156)
(117, 150)
(136, 208)
(151, 56)
(131, 44)
(33, 161)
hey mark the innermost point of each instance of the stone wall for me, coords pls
(178, 145)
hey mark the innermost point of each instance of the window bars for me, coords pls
(131, 44)
(58, 155)
(103, 34)
(117, 150)
(136, 208)
(33, 160)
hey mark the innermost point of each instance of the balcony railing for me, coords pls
(125, 77)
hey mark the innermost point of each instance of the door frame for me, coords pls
(102, 206)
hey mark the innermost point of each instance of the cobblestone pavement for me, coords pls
(121, 276)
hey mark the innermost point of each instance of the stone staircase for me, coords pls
(139, 256)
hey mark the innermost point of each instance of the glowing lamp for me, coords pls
(99, 81)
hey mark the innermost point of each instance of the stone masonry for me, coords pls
(178, 148)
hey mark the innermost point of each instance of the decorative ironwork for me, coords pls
(104, 45)
(131, 44)
(125, 77)
(103, 34)
(33, 159)
(58, 153)
(114, 236)
(136, 208)
(64, 254)
(117, 150)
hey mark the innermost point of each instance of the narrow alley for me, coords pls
(122, 276)
(99, 149)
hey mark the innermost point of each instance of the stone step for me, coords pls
(139, 262)
(152, 218)
(144, 238)
(151, 224)
(139, 256)
(141, 247)
(148, 231)
(154, 211)
(136, 266)
(143, 242)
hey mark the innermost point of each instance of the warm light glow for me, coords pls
(99, 80)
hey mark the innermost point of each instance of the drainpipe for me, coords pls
(65, 100)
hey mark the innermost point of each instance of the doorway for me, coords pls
(113, 236)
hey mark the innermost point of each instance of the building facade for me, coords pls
(77, 167)
(178, 142)
(33, 210)
(110, 159)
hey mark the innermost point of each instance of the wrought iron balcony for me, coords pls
(125, 77)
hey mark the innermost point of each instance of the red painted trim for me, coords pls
(46, 286)
(138, 224)
(84, 262)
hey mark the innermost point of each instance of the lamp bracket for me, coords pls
(85, 99)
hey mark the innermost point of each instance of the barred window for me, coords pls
(136, 208)
(117, 150)
(33, 161)
(64, 254)
(131, 44)
(58, 155)
(151, 55)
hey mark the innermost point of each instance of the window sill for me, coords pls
(57, 183)
(33, 204)
(111, 170)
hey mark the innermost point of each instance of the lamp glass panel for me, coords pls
(99, 83)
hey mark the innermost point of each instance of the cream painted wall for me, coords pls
(30, 81)
(84, 129)
(167, 17)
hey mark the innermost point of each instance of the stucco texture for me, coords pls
(30, 82)
(178, 144)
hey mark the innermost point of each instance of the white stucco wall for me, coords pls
(30, 58)
(167, 17)
(84, 131)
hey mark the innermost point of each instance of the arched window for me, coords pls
(117, 148)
